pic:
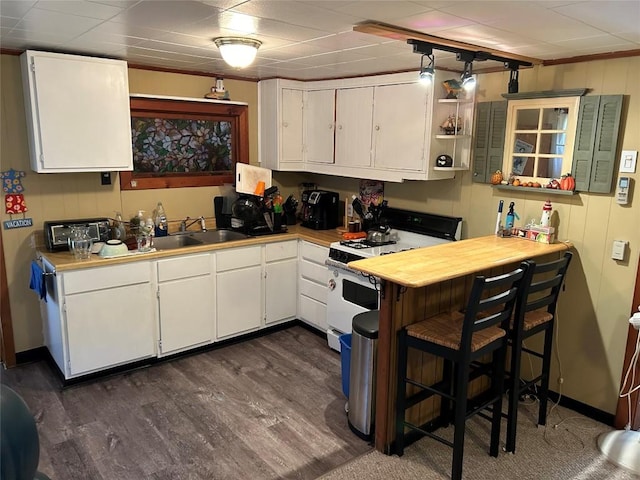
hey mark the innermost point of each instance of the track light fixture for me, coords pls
(427, 73)
(513, 76)
(467, 80)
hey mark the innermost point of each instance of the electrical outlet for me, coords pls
(619, 248)
(635, 321)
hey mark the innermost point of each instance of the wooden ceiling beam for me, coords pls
(398, 33)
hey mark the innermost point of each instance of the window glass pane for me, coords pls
(552, 143)
(550, 167)
(525, 143)
(555, 118)
(527, 119)
(523, 166)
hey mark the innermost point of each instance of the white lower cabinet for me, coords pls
(107, 316)
(281, 281)
(312, 282)
(185, 302)
(238, 290)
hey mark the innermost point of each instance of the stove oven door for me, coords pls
(350, 293)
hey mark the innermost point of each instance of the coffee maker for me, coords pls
(320, 209)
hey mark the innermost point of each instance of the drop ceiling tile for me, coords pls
(549, 27)
(119, 33)
(81, 9)
(609, 16)
(432, 22)
(346, 40)
(61, 26)
(165, 15)
(631, 36)
(493, 11)
(19, 38)
(301, 14)
(180, 50)
(15, 8)
(8, 22)
(292, 50)
(598, 42)
(379, 11)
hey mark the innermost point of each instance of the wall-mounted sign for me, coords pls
(18, 223)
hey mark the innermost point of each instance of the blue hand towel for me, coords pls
(37, 282)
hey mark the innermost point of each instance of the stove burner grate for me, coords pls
(360, 244)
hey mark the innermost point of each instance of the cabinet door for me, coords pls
(291, 126)
(238, 300)
(281, 290)
(354, 114)
(78, 113)
(186, 313)
(400, 126)
(109, 327)
(319, 114)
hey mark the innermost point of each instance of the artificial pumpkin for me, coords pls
(496, 178)
(567, 182)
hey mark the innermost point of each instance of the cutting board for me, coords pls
(248, 176)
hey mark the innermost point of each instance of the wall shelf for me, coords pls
(547, 191)
(451, 137)
(451, 169)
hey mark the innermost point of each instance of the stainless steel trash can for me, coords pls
(362, 375)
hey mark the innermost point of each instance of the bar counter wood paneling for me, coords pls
(420, 283)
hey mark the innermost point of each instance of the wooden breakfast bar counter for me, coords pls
(423, 282)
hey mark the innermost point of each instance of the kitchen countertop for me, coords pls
(425, 266)
(64, 261)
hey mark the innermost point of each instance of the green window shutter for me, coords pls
(481, 142)
(488, 146)
(585, 134)
(495, 152)
(606, 143)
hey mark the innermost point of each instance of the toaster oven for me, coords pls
(56, 232)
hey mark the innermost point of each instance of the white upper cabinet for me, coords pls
(77, 109)
(400, 126)
(319, 112)
(280, 124)
(354, 111)
(378, 128)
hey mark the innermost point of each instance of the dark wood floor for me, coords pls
(271, 407)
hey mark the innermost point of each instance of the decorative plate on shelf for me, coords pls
(444, 161)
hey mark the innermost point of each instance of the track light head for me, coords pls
(427, 73)
(468, 81)
(513, 76)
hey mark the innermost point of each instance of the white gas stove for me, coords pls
(351, 292)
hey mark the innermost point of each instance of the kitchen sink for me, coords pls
(189, 239)
(175, 241)
(218, 236)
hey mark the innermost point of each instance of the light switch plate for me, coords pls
(619, 248)
(628, 160)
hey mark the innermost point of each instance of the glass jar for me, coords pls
(80, 243)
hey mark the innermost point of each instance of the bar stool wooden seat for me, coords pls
(460, 339)
(536, 314)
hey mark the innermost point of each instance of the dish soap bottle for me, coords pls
(161, 225)
(511, 215)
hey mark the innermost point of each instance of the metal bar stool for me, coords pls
(536, 314)
(460, 339)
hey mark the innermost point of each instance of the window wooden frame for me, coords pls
(169, 107)
(570, 103)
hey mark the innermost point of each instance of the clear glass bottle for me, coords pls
(161, 225)
(80, 242)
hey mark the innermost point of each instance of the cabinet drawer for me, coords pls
(314, 290)
(314, 253)
(314, 272)
(183, 267)
(238, 258)
(106, 277)
(314, 312)
(280, 251)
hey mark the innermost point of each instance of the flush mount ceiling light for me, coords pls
(238, 52)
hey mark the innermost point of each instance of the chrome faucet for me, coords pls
(184, 225)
